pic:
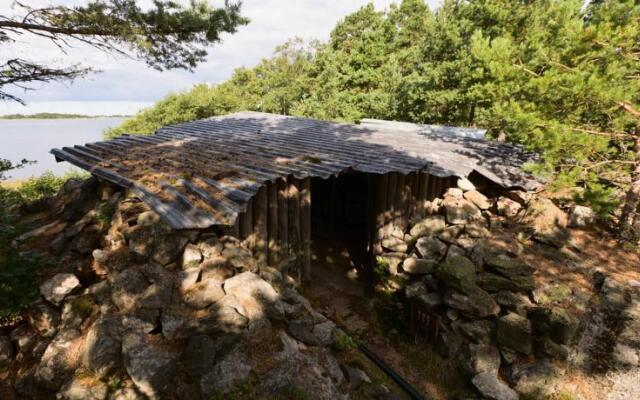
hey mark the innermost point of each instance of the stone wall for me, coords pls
(480, 292)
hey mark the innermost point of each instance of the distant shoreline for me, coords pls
(57, 116)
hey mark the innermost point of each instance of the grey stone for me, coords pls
(431, 248)
(581, 217)
(173, 323)
(392, 261)
(102, 346)
(6, 351)
(465, 184)
(231, 370)
(429, 226)
(24, 338)
(151, 368)
(494, 282)
(430, 300)
(477, 230)
(256, 295)
(535, 380)
(240, 258)
(493, 388)
(394, 244)
(225, 316)
(418, 266)
(613, 294)
(514, 332)
(58, 244)
(625, 356)
(415, 289)
(478, 331)
(199, 355)
(44, 318)
(356, 377)
(452, 314)
(475, 302)
(460, 211)
(507, 207)
(210, 247)
(302, 330)
(58, 287)
(478, 199)
(83, 389)
(217, 268)
(479, 358)
(191, 257)
(512, 301)
(158, 294)
(554, 322)
(56, 365)
(187, 279)
(167, 248)
(324, 332)
(455, 193)
(457, 272)
(204, 293)
(451, 233)
(88, 240)
(127, 287)
(455, 251)
(506, 265)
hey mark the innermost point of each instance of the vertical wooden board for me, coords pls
(305, 227)
(260, 211)
(390, 210)
(413, 194)
(272, 223)
(246, 225)
(433, 188)
(381, 189)
(423, 190)
(293, 198)
(400, 202)
(283, 219)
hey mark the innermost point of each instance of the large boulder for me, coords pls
(256, 295)
(127, 287)
(102, 346)
(58, 287)
(151, 368)
(394, 244)
(231, 370)
(457, 272)
(204, 293)
(479, 358)
(514, 332)
(494, 282)
(493, 388)
(581, 217)
(59, 360)
(547, 221)
(191, 257)
(429, 226)
(199, 355)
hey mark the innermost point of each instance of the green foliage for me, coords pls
(553, 75)
(344, 342)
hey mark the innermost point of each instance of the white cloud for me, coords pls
(272, 23)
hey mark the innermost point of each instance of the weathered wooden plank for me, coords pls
(246, 225)
(382, 186)
(260, 211)
(283, 220)
(294, 219)
(305, 228)
(391, 211)
(272, 223)
(401, 203)
(423, 190)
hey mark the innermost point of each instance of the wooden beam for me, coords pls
(246, 225)
(260, 211)
(283, 220)
(272, 223)
(305, 228)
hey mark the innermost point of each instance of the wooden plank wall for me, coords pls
(277, 221)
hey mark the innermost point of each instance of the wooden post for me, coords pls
(401, 203)
(423, 190)
(390, 209)
(294, 218)
(272, 225)
(433, 187)
(260, 225)
(305, 228)
(283, 220)
(413, 194)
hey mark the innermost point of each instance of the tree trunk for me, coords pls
(630, 216)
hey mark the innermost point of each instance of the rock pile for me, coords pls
(481, 295)
(138, 310)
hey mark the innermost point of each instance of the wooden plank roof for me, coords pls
(202, 173)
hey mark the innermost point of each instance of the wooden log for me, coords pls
(283, 220)
(246, 225)
(390, 210)
(260, 211)
(401, 203)
(272, 223)
(381, 188)
(305, 228)
(293, 198)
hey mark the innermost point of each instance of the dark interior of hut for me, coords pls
(339, 231)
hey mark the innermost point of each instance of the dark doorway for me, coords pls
(340, 226)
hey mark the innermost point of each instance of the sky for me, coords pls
(123, 86)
